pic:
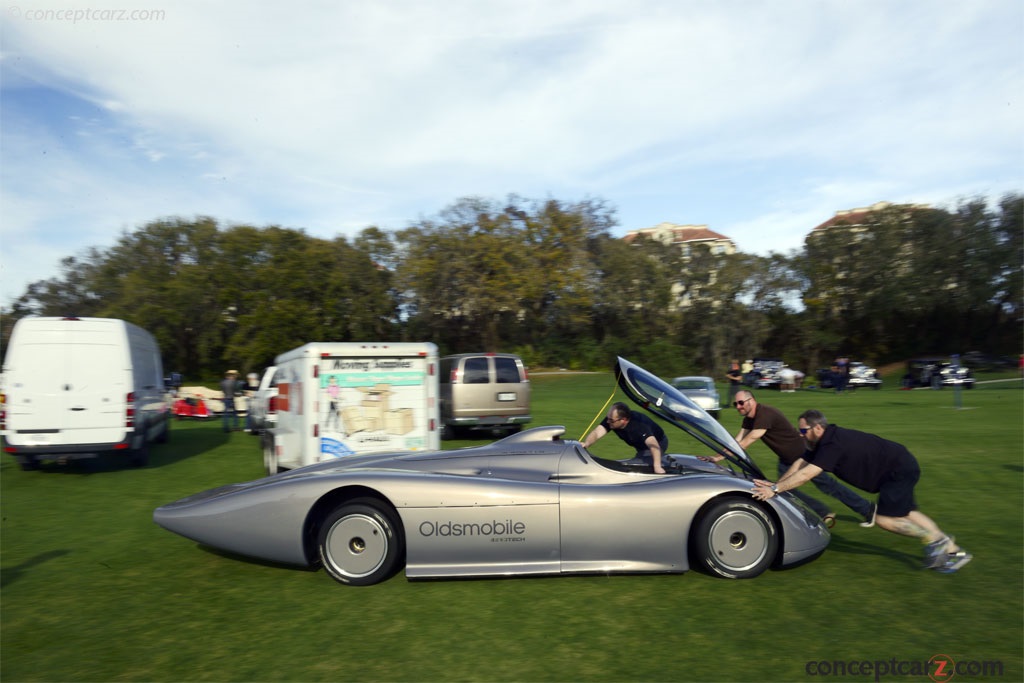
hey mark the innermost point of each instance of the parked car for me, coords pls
(702, 391)
(983, 362)
(262, 410)
(532, 503)
(861, 375)
(765, 374)
(483, 391)
(936, 373)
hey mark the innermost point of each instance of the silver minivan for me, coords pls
(488, 391)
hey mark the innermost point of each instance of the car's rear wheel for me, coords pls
(361, 543)
(736, 539)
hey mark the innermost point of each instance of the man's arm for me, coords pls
(717, 457)
(797, 464)
(746, 438)
(799, 474)
(593, 436)
(655, 449)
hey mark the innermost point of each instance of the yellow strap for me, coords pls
(599, 415)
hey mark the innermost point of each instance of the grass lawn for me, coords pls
(92, 590)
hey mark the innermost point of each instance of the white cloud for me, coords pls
(759, 118)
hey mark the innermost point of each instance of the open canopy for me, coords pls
(660, 398)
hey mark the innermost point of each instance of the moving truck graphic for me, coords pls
(336, 400)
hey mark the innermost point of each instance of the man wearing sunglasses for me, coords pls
(877, 465)
(766, 423)
(637, 430)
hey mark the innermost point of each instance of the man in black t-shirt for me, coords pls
(637, 430)
(876, 465)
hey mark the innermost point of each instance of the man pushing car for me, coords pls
(873, 464)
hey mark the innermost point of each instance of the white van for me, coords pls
(79, 387)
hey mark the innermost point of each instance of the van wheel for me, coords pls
(28, 463)
(269, 457)
(360, 543)
(140, 456)
(447, 433)
(165, 433)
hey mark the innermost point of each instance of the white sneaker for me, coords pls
(870, 521)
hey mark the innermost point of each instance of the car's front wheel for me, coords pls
(735, 538)
(361, 543)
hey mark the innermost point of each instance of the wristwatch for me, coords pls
(775, 488)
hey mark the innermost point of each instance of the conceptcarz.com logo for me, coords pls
(940, 668)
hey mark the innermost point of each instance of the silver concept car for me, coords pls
(532, 503)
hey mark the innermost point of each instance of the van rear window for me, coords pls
(475, 371)
(506, 371)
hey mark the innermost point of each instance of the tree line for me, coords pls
(547, 279)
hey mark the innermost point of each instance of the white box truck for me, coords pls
(336, 399)
(80, 387)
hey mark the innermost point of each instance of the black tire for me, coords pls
(447, 432)
(165, 433)
(361, 543)
(735, 539)
(28, 463)
(269, 456)
(139, 457)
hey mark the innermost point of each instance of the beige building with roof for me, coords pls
(685, 237)
(688, 238)
(856, 219)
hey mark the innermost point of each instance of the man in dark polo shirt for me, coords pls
(876, 465)
(766, 423)
(637, 430)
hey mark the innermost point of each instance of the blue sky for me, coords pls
(758, 119)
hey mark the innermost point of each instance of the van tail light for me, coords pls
(272, 406)
(3, 411)
(129, 411)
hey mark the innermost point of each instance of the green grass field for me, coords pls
(92, 590)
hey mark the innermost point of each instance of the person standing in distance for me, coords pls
(230, 387)
(877, 465)
(735, 376)
(637, 430)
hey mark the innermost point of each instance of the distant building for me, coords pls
(857, 219)
(852, 226)
(689, 239)
(686, 237)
